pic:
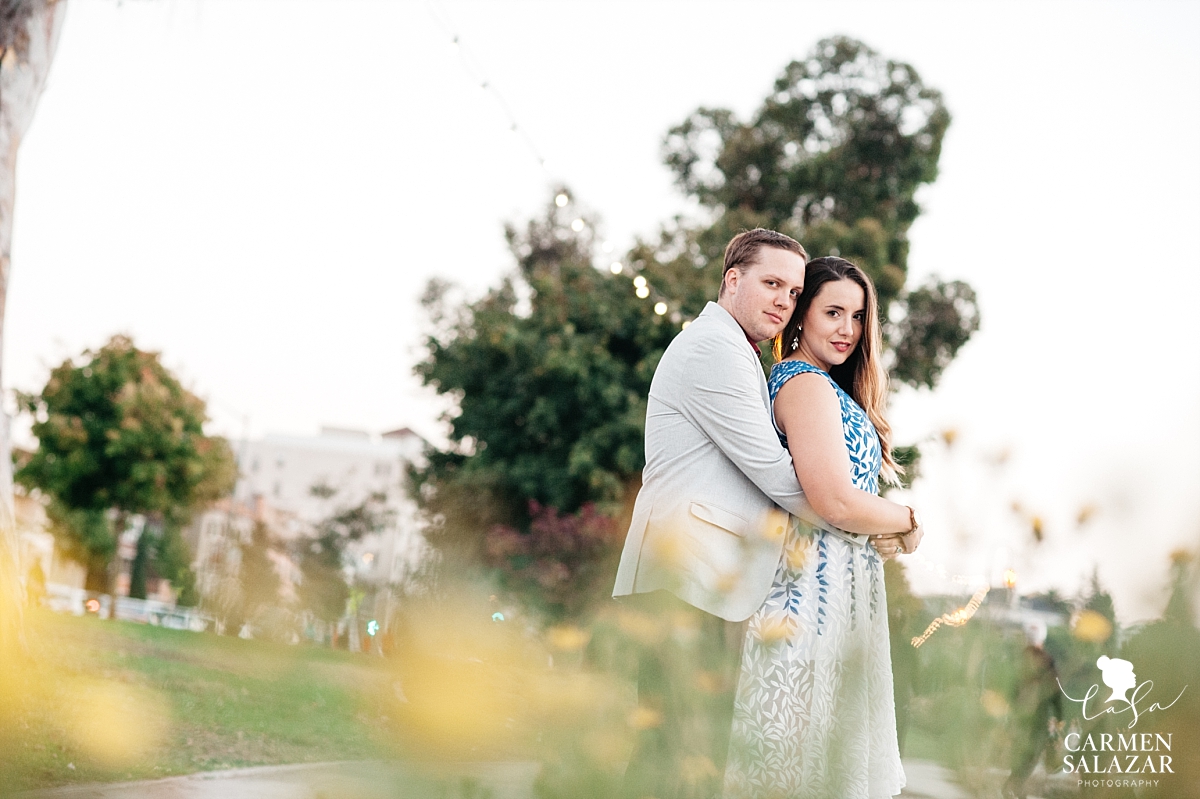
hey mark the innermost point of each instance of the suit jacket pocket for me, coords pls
(725, 519)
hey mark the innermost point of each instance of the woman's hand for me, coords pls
(890, 545)
(912, 540)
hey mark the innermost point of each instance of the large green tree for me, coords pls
(834, 156)
(118, 434)
(549, 371)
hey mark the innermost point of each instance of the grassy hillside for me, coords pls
(99, 700)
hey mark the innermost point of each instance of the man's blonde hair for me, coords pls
(743, 248)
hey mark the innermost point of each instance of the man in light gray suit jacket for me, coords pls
(709, 521)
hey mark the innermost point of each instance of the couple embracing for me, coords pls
(759, 533)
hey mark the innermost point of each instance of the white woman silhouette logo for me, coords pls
(1118, 675)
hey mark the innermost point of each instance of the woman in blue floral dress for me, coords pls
(814, 716)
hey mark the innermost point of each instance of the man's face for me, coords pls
(762, 297)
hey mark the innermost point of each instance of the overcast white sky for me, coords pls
(261, 188)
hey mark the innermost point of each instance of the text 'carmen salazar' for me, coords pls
(1136, 753)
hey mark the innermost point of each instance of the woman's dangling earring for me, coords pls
(796, 342)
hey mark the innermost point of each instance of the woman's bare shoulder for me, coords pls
(806, 398)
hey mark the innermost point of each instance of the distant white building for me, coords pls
(306, 479)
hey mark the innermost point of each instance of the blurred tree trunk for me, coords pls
(29, 32)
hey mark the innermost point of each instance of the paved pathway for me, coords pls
(379, 780)
(349, 780)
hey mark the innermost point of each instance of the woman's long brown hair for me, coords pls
(862, 376)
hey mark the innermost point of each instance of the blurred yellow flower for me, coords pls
(669, 549)
(568, 638)
(116, 723)
(641, 627)
(606, 747)
(709, 682)
(772, 630)
(797, 556)
(644, 718)
(776, 524)
(1092, 627)
(727, 582)
(697, 768)
(994, 704)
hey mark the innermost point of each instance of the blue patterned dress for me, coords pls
(814, 716)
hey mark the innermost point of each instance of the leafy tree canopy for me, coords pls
(834, 156)
(117, 431)
(551, 371)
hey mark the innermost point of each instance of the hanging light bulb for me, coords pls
(639, 282)
(642, 292)
(577, 225)
(615, 267)
(562, 200)
(660, 308)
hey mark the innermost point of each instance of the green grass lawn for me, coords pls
(100, 700)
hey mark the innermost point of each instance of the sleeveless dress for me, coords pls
(814, 714)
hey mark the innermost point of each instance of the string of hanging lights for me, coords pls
(476, 73)
(473, 66)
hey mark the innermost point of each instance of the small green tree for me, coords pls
(258, 580)
(162, 554)
(139, 570)
(119, 435)
(173, 561)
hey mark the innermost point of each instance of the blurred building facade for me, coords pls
(291, 484)
(301, 480)
(38, 548)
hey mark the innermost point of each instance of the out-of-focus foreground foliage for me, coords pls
(980, 693)
(470, 679)
(549, 371)
(481, 685)
(118, 434)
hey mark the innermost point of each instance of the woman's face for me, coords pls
(833, 324)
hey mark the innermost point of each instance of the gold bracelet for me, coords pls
(912, 519)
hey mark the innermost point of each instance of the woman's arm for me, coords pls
(808, 412)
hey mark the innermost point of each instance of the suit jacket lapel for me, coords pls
(726, 318)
